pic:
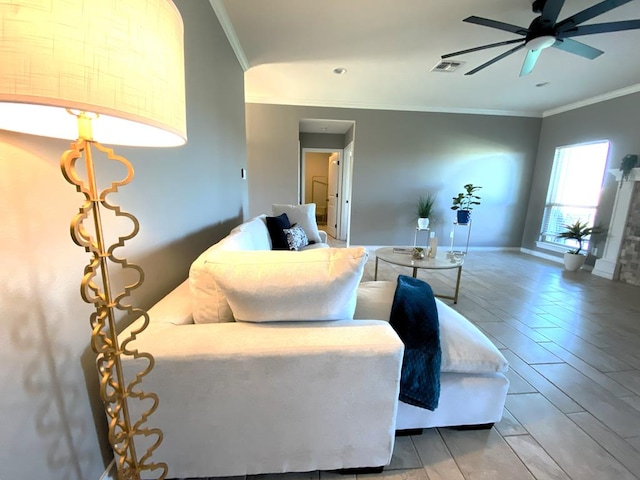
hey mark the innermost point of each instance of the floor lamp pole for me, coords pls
(96, 289)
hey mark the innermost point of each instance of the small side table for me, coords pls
(415, 236)
(457, 226)
(402, 256)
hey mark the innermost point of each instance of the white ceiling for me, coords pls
(289, 49)
(315, 125)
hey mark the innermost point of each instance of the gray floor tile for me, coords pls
(435, 456)
(630, 379)
(616, 446)
(519, 343)
(404, 456)
(556, 396)
(618, 415)
(570, 447)
(537, 460)
(484, 454)
(509, 425)
(604, 380)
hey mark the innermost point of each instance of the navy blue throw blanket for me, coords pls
(414, 317)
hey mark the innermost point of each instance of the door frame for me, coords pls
(346, 179)
(341, 188)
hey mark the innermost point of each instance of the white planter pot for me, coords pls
(423, 223)
(573, 262)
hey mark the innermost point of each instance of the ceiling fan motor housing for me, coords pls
(539, 28)
(538, 5)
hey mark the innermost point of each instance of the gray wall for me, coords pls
(322, 140)
(187, 198)
(615, 120)
(397, 157)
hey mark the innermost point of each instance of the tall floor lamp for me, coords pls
(109, 71)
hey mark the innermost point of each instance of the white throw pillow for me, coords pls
(303, 215)
(465, 349)
(278, 285)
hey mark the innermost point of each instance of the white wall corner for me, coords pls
(230, 32)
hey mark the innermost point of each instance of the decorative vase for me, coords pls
(573, 262)
(423, 223)
(463, 216)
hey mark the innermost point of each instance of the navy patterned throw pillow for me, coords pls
(296, 238)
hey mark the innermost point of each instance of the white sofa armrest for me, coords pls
(323, 236)
(326, 390)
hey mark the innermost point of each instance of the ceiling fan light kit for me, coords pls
(545, 31)
(540, 43)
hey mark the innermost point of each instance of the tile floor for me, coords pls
(573, 410)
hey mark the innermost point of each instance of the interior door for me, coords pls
(332, 195)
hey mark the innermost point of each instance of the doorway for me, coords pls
(321, 184)
(325, 172)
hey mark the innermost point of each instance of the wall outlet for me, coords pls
(243, 173)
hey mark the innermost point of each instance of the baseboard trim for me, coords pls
(546, 256)
(109, 472)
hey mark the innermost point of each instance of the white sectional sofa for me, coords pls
(242, 393)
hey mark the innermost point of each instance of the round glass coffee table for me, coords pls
(403, 256)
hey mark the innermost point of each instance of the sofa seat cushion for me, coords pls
(313, 246)
(465, 349)
(268, 286)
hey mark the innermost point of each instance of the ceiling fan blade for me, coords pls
(494, 60)
(588, 14)
(486, 22)
(601, 28)
(529, 62)
(577, 48)
(551, 11)
(483, 47)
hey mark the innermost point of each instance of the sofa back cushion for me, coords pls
(208, 305)
(271, 286)
(303, 215)
(251, 235)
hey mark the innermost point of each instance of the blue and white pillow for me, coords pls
(296, 237)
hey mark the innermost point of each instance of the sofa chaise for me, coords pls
(255, 378)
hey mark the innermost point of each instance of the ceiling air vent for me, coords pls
(447, 66)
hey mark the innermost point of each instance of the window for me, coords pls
(574, 190)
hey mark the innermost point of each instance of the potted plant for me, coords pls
(424, 210)
(573, 259)
(628, 163)
(464, 203)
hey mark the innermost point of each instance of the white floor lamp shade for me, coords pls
(109, 71)
(122, 60)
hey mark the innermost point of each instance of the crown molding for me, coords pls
(382, 106)
(593, 100)
(230, 32)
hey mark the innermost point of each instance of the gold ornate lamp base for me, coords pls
(87, 231)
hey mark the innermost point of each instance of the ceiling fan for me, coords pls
(545, 32)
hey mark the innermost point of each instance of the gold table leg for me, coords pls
(457, 290)
(455, 297)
